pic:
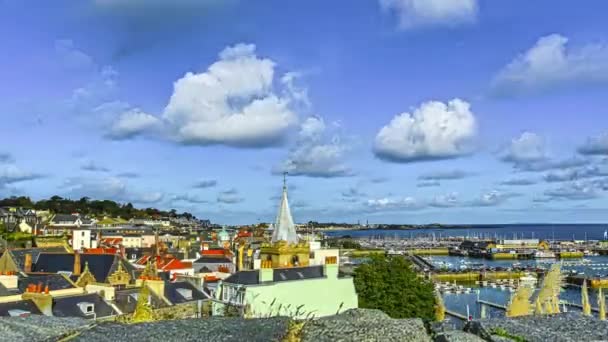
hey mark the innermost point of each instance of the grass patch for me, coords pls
(503, 333)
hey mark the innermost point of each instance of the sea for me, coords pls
(498, 231)
(467, 303)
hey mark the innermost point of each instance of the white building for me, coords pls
(81, 238)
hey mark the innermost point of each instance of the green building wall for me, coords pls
(319, 296)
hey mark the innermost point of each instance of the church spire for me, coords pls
(284, 228)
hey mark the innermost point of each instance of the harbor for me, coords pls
(478, 275)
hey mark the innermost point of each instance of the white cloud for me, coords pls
(387, 204)
(573, 191)
(529, 147)
(230, 196)
(518, 182)
(205, 183)
(551, 64)
(91, 165)
(572, 174)
(425, 13)
(12, 174)
(445, 201)
(595, 146)
(108, 188)
(528, 152)
(189, 199)
(232, 103)
(316, 153)
(131, 123)
(444, 175)
(435, 130)
(492, 198)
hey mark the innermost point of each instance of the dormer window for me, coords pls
(18, 313)
(87, 308)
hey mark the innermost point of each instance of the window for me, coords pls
(82, 234)
(87, 308)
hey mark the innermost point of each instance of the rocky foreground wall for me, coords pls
(352, 325)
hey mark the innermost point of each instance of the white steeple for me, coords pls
(284, 228)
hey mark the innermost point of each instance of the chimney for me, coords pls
(157, 286)
(43, 301)
(76, 271)
(27, 264)
(266, 271)
(10, 281)
(331, 267)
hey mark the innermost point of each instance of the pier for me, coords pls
(494, 305)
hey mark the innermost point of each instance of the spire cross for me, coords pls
(285, 180)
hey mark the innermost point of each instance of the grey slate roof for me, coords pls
(25, 305)
(54, 281)
(101, 265)
(68, 306)
(297, 273)
(173, 295)
(19, 254)
(205, 259)
(64, 218)
(244, 278)
(279, 274)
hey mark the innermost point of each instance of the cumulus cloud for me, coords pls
(205, 183)
(189, 199)
(108, 188)
(435, 130)
(444, 175)
(12, 174)
(128, 175)
(445, 201)
(91, 165)
(529, 147)
(352, 192)
(425, 13)
(576, 173)
(237, 102)
(132, 123)
(390, 204)
(595, 146)
(428, 184)
(379, 180)
(492, 198)
(574, 191)
(528, 152)
(232, 103)
(230, 196)
(317, 153)
(518, 182)
(550, 63)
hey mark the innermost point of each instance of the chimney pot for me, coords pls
(27, 265)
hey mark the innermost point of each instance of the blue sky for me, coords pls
(462, 111)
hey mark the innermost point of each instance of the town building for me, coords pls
(286, 283)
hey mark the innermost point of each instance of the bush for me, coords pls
(390, 284)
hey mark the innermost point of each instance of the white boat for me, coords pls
(544, 254)
(528, 280)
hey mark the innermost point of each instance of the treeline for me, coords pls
(90, 207)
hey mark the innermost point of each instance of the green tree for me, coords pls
(391, 285)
